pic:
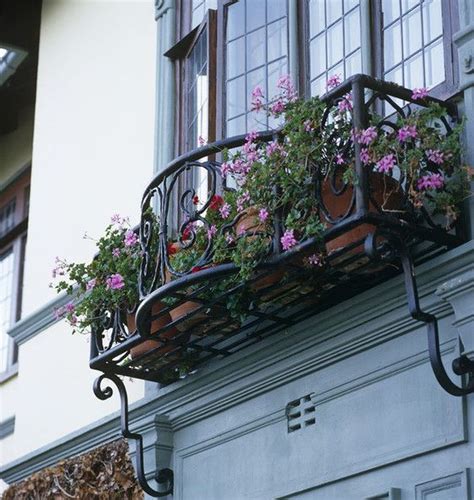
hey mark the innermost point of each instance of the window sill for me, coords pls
(9, 373)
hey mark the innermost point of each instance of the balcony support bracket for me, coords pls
(462, 366)
(163, 476)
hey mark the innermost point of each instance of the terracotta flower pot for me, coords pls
(382, 185)
(249, 223)
(156, 326)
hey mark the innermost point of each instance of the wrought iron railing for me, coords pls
(282, 292)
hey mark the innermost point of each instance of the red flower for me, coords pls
(195, 199)
(186, 233)
(172, 248)
(216, 202)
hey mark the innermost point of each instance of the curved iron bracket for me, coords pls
(163, 476)
(462, 365)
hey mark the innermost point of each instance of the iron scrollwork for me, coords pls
(163, 476)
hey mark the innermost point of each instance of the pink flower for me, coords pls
(116, 219)
(355, 135)
(116, 252)
(263, 214)
(69, 308)
(251, 137)
(286, 84)
(435, 156)
(333, 81)
(430, 181)
(257, 95)
(407, 132)
(315, 260)
(364, 155)
(130, 239)
(229, 239)
(288, 239)
(368, 135)
(211, 232)
(58, 313)
(340, 159)
(225, 210)
(277, 107)
(345, 104)
(275, 147)
(308, 126)
(201, 140)
(386, 164)
(225, 169)
(115, 282)
(91, 284)
(242, 200)
(420, 93)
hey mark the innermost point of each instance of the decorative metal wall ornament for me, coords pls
(393, 241)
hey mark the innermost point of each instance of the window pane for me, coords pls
(354, 64)
(335, 42)
(316, 17)
(318, 86)
(235, 57)
(350, 4)
(6, 286)
(275, 70)
(412, 32)
(255, 14)
(393, 50)
(256, 49)
(414, 72)
(333, 10)
(236, 126)
(391, 11)
(395, 76)
(434, 60)
(275, 9)
(318, 55)
(235, 20)
(432, 20)
(277, 40)
(408, 4)
(352, 31)
(235, 98)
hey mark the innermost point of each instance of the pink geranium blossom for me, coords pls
(430, 181)
(364, 155)
(333, 81)
(420, 93)
(263, 214)
(115, 282)
(91, 284)
(386, 164)
(257, 96)
(116, 252)
(435, 156)
(225, 210)
(286, 84)
(345, 104)
(130, 239)
(339, 159)
(368, 135)
(277, 107)
(211, 232)
(315, 260)
(288, 239)
(407, 132)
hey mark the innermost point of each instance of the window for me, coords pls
(14, 201)
(405, 41)
(256, 53)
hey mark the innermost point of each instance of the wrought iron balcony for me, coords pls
(365, 246)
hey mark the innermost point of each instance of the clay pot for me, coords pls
(249, 223)
(156, 326)
(382, 185)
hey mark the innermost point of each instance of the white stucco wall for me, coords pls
(93, 141)
(92, 157)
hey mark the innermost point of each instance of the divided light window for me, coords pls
(14, 201)
(406, 41)
(256, 53)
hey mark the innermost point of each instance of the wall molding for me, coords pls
(38, 321)
(7, 427)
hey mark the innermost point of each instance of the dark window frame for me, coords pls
(14, 241)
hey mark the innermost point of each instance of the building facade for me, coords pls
(342, 405)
